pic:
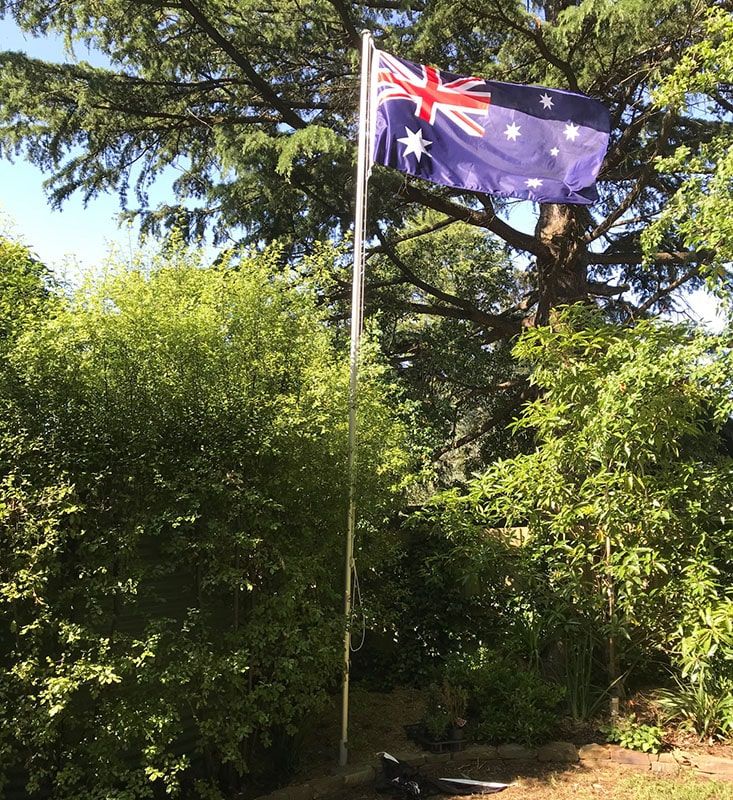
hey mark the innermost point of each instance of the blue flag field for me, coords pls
(504, 139)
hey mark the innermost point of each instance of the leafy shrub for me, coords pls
(704, 707)
(24, 287)
(437, 591)
(635, 735)
(702, 697)
(507, 701)
(172, 506)
(626, 499)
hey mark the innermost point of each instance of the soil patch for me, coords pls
(376, 722)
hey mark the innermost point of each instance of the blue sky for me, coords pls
(75, 235)
(79, 237)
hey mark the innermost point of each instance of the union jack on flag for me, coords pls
(507, 139)
(430, 94)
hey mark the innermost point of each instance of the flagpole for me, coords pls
(357, 314)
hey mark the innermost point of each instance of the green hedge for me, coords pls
(172, 507)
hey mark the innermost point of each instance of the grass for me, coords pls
(684, 787)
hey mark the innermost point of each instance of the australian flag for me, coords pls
(505, 139)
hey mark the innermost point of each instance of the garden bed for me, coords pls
(378, 721)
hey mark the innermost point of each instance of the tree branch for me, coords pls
(393, 5)
(485, 427)
(556, 61)
(646, 171)
(343, 13)
(606, 290)
(647, 304)
(481, 219)
(415, 234)
(500, 325)
(263, 87)
(674, 257)
(190, 118)
(727, 105)
(471, 311)
(536, 36)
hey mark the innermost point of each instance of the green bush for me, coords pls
(626, 501)
(172, 508)
(701, 699)
(438, 591)
(507, 700)
(24, 288)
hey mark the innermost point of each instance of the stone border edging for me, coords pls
(553, 752)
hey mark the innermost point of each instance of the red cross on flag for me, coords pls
(430, 94)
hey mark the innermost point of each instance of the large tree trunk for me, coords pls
(562, 274)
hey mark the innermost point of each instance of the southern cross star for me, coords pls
(571, 131)
(512, 131)
(555, 152)
(533, 183)
(414, 143)
(546, 101)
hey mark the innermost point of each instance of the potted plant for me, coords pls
(456, 700)
(444, 717)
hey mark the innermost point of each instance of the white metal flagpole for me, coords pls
(357, 315)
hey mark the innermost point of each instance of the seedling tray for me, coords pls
(416, 732)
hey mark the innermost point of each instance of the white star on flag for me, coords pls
(546, 101)
(512, 131)
(571, 131)
(534, 183)
(555, 152)
(414, 143)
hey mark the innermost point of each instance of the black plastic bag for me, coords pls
(403, 780)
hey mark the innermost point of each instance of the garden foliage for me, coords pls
(700, 212)
(172, 507)
(626, 502)
(634, 735)
(508, 701)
